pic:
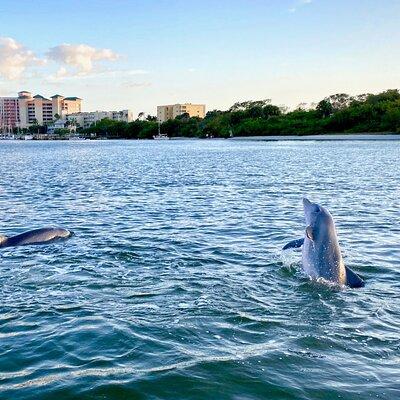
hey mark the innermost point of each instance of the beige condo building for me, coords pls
(167, 112)
(26, 110)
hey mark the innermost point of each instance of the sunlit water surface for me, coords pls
(175, 287)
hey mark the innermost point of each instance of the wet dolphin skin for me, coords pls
(36, 236)
(321, 255)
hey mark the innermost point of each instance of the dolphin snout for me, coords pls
(306, 202)
(310, 207)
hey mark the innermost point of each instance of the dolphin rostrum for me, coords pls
(36, 236)
(321, 256)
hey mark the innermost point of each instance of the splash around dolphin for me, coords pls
(321, 255)
(36, 236)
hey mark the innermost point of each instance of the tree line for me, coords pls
(339, 113)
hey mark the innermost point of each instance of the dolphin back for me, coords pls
(37, 236)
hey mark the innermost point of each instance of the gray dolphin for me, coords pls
(321, 256)
(36, 236)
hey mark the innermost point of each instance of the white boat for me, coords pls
(6, 137)
(76, 138)
(160, 136)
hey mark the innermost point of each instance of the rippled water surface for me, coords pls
(175, 287)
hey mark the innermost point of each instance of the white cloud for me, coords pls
(15, 58)
(61, 73)
(79, 61)
(298, 4)
(65, 74)
(135, 84)
(80, 56)
(127, 72)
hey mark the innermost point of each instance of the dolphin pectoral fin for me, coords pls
(294, 244)
(353, 280)
(310, 232)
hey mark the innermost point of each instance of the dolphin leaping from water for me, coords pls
(36, 236)
(321, 256)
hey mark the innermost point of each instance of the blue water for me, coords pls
(175, 287)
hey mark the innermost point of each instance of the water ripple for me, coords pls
(175, 286)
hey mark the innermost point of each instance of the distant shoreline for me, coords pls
(271, 138)
(327, 137)
(321, 137)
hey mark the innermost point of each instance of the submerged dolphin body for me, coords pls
(321, 256)
(36, 236)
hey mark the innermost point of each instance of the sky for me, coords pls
(121, 54)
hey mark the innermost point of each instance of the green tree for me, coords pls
(149, 130)
(324, 108)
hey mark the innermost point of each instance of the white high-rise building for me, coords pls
(86, 119)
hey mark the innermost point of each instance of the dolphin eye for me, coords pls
(316, 209)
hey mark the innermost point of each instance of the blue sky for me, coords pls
(137, 54)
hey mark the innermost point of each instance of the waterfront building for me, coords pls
(26, 110)
(60, 124)
(167, 112)
(66, 105)
(87, 119)
(123, 115)
(9, 114)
